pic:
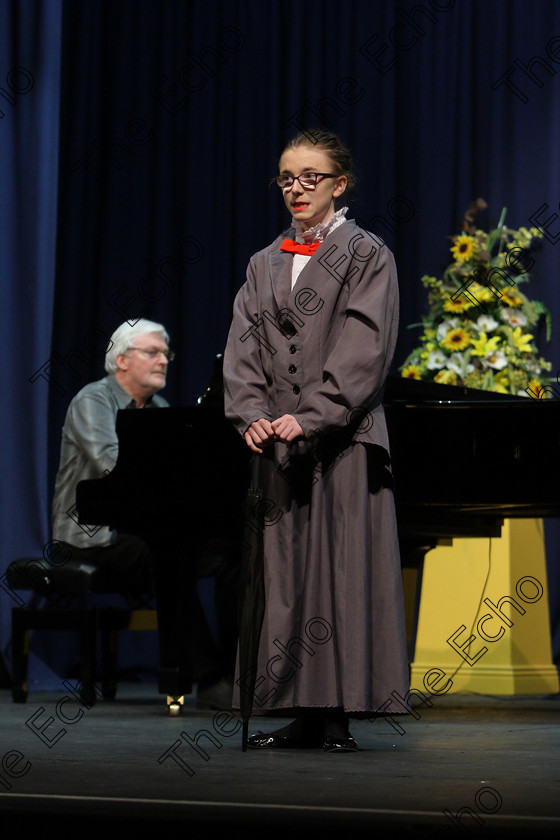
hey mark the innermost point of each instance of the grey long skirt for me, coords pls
(333, 633)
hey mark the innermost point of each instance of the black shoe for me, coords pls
(272, 740)
(336, 744)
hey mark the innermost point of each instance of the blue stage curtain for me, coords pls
(145, 149)
(30, 58)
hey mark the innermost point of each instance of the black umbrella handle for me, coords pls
(251, 601)
(256, 472)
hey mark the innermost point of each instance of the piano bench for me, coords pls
(62, 586)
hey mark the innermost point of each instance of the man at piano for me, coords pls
(136, 362)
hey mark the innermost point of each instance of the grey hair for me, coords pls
(123, 339)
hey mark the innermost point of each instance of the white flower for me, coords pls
(458, 364)
(532, 366)
(514, 317)
(485, 323)
(436, 360)
(496, 360)
(445, 326)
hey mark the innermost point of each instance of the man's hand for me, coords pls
(286, 428)
(259, 434)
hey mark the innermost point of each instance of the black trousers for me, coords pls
(128, 560)
(131, 564)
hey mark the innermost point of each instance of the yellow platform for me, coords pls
(483, 617)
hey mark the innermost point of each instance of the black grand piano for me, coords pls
(463, 460)
(179, 482)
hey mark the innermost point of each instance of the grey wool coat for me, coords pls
(333, 632)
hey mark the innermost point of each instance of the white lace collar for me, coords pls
(320, 231)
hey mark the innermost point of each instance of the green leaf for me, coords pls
(494, 234)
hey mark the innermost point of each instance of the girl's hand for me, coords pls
(286, 428)
(259, 434)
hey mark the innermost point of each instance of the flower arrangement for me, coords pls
(478, 331)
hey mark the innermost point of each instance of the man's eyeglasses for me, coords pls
(154, 352)
(308, 180)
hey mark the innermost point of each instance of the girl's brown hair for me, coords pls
(336, 150)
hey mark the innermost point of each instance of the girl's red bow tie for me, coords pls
(299, 247)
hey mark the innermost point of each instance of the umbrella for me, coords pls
(251, 595)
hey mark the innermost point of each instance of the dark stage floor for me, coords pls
(491, 763)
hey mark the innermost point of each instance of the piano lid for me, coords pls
(463, 450)
(403, 389)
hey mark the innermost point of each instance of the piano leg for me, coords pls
(175, 588)
(175, 705)
(413, 550)
(413, 553)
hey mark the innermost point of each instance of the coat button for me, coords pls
(293, 348)
(295, 389)
(292, 369)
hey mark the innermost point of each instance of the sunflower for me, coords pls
(464, 248)
(456, 339)
(411, 372)
(510, 298)
(458, 305)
